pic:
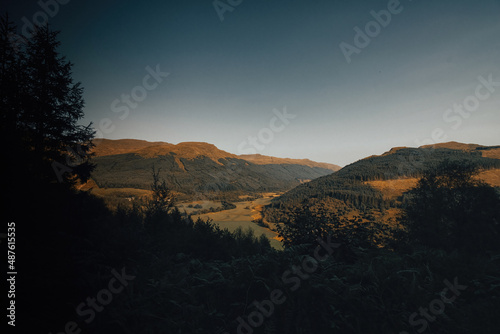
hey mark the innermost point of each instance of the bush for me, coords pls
(261, 223)
(449, 210)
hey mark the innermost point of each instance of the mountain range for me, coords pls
(197, 167)
(194, 168)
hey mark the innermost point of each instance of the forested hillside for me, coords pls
(197, 168)
(350, 187)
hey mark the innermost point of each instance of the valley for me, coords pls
(237, 191)
(243, 216)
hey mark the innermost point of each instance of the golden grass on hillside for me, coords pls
(187, 150)
(105, 147)
(493, 153)
(391, 189)
(491, 177)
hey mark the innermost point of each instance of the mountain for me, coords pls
(196, 167)
(453, 145)
(486, 151)
(374, 183)
(104, 147)
(259, 159)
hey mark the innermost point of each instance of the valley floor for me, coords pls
(242, 216)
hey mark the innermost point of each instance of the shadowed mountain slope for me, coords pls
(195, 167)
(360, 183)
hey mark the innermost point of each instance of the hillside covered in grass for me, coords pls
(375, 185)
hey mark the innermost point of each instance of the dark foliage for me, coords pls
(347, 191)
(192, 277)
(40, 109)
(449, 209)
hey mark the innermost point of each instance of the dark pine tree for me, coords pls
(46, 151)
(41, 107)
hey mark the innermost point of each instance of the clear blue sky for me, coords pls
(226, 77)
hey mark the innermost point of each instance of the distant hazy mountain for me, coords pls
(259, 159)
(194, 167)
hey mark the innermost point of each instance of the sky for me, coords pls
(331, 81)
